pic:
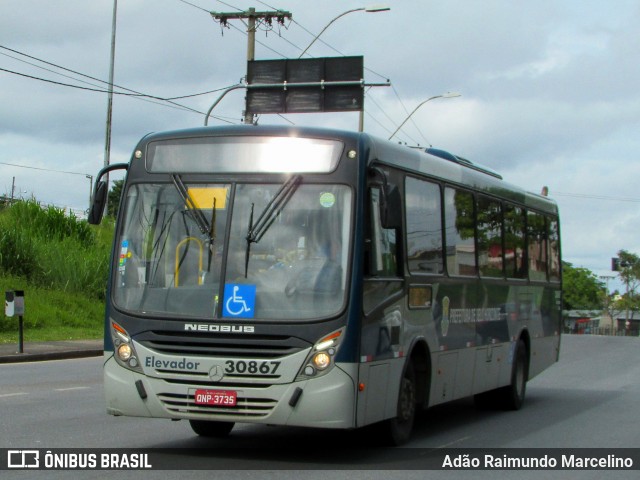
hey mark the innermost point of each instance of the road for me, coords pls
(588, 400)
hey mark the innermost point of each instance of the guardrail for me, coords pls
(607, 331)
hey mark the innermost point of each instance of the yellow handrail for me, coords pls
(177, 266)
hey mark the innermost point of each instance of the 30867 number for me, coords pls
(251, 367)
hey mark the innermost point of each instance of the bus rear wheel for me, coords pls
(512, 396)
(206, 428)
(399, 428)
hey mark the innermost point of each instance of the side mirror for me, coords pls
(390, 201)
(98, 204)
(100, 193)
(390, 207)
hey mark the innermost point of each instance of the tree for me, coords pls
(629, 271)
(581, 288)
(114, 198)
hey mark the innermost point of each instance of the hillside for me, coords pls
(61, 263)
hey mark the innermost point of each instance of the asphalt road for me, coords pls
(588, 400)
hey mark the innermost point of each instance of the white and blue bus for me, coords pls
(321, 278)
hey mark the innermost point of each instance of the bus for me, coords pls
(321, 278)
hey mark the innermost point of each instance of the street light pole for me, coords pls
(107, 140)
(90, 178)
(607, 302)
(107, 135)
(371, 9)
(444, 95)
(251, 15)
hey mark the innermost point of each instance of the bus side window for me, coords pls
(489, 234)
(423, 226)
(537, 244)
(554, 249)
(460, 232)
(382, 252)
(514, 240)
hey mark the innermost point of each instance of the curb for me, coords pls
(39, 357)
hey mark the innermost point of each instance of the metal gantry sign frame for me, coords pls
(330, 84)
(309, 85)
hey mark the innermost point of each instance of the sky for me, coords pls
(549, 91)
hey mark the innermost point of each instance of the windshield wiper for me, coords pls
(269, 215)
(198, 216)
(206, 228)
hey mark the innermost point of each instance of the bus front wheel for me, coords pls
(206, 428)
(399, 428)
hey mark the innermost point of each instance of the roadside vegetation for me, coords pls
(61, 263)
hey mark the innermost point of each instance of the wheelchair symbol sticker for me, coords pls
(239, 301)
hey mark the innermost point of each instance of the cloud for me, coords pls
(549, 90)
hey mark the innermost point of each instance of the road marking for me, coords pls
(12, 394)
(70, 388)
(460, 440)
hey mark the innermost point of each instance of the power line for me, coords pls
(233, 26)
(101, 90)
(597, 197)
(133, 93)
(46, 69)
(257, 41)
(141, 96)
(67, 69)
(397, 94)
(299, 48)
(43, 169)
(386, 77)
(194, 5)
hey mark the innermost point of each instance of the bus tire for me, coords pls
(206, 428)
(512, 396)
(399, 428)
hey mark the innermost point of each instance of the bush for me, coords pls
(50, 222)
(54, 250)
(17, 252)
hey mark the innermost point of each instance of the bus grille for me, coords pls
(221, 345)
(245, 407)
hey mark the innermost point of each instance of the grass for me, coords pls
(61, 263)
(51, 314)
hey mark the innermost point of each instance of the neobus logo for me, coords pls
(207, 327)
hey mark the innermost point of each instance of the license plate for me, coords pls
(219, 398)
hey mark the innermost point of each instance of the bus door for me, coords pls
(384, 307)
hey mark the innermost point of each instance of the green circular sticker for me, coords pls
(327, 199)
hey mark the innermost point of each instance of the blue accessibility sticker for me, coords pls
(239, 301)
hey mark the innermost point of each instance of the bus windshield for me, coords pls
(184, 252)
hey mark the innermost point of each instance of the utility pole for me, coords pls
(107, 135)
(251, 16)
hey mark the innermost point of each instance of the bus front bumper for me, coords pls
(324, 402)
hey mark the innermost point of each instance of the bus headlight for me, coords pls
(321, 357)
(321, 360)
(125, 353)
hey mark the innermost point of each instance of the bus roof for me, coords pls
(435, 163)
(441, 165)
